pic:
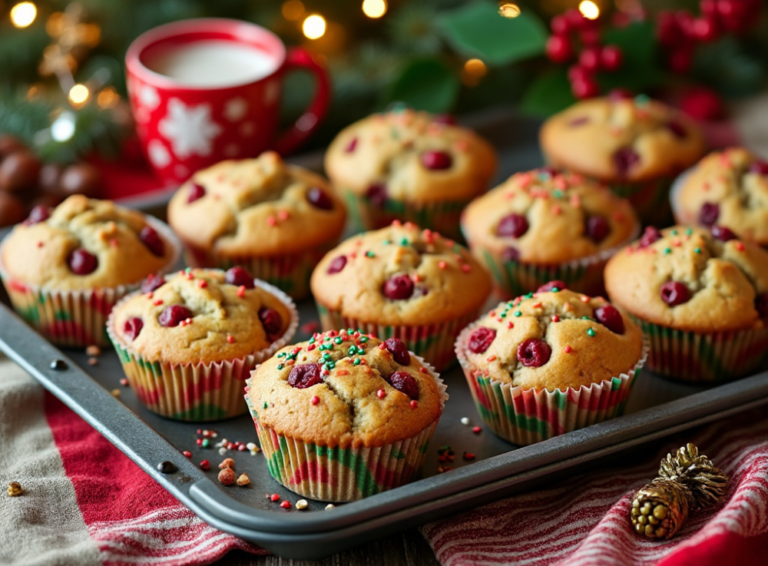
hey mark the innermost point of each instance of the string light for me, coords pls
(374, 8)
(313, 26)
(63, 127)
(509, 10)
(292, 10)
(23, 14)
(473, 71)
(79, 94)
(589, 10)
(107, 98)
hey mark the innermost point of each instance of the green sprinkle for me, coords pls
(363, 339)
(689, 231)
(312, 340)
(326, 339)
(356, 362)
(279, 366)
(697, 250)
(557, 193)
(351, 351)
(591, 333)
(264, 406)
(206, 443)
(360, 351)
(188, 270)
(369, 253)
(642, 99)
(674, 232)
(555, 290)
(338, 340)
(361, 331)
(667, 251)
(503, 315)
(529, 296)
(518, 313)
(456, 248)
(404, 242)
(281, 354)
(386, 242)
(331, 365)
(326, 356)
(585, 318)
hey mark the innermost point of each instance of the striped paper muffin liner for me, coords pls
(343, 474)
(526, 416)
(76, 318)
(650, 199)
(288, 272)
(196, 392)
(433, 342)
(442, 217)
(705, 357)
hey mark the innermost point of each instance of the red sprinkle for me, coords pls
(555, 318)
(468, 456)
(381, 394)
(556, 210)
(491, 358)
(271, 220)
(230, 339)
(199, 441)
(466, 268)
(414, 404)
(477, 430)
(537, 305)
(283, 215)
(568, 349)
(285, 504)
(157, 302)
(584, 299)
(39, 244)
(274, 497)
(205, 465)
(202, 283)
(510, 324)
(315, 400)
(739, 246)
(442, 265)
(241, 291)
(186, 453)
(310, 347)
(124, 382)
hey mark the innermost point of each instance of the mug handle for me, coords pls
(302, 128)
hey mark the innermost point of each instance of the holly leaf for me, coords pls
(640, 70)
(729, 68)
(478, 30)
(547, 94)
(425, 84)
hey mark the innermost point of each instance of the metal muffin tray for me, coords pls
(657, 408)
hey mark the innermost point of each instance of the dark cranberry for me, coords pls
(761, 304)
(510, 254)
(620, 94)
(624, 160)
(196, 191)
(398, 287)
(152, 240)
(610, 317)
(512, 226)
(723, 233)
(38, 214)
(675, 293)
(152, 282)
(239, 276)
(351, 146)
(580, 121)
(82, 262)
(446, 119)
(436, 160)
(549, 170)
(677, 129)
(337, 264)
(173, 315)
(304, 375)
(404, 383)
(481, 339)
(597, 228)
(650, 235)
(759, 167)
(556, 284)
(709, 213)
(533, 353)
(377, 194)
(318, 198)
(398, 350)
(271, 321)
(132, 327)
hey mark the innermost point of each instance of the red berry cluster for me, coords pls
(680, 31)
(571, 28)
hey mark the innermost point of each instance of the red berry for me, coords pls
(304, 375)
(533, 353)
(404, 383)
(554, 284)
(685, 23)
(152, 282)
(760, 167)
(650, 235)
(708, 7)
(436, 160)
(82, 262)
(585, 89)
(709, 213)
(620, 94)
(132, 327)
(559, 49)
(445, 119)
(589, 59)
(675, 293)
(398, 350)
(702, 103)
(271, 321)
(667, 29)
(677, 129)
(597, 228)
(351, 146)
(377, 194)
(575, 20)
(512, 226)
(761, 304)
(681, 60)
(173, 315)
(398, 288)
(610, 317)
(195, 192)
(510, 253)
(722, 233)
(624, 160)
(560, 25)
(152, 240)
(337, 264)
(705, 29)
(318, 198)
(590, 36)
(611, 58)
(38, 214)
(579, 73)
(239, 277)
(481, 339)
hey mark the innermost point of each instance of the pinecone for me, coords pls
(660, 508)
(706, 482)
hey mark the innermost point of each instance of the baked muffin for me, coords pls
(274, 219)
(727, 188)
(409, 166)
(64, 269)
(188, 342)
(550, 362)
(700, 296)
(405, 282)
(344, 415)
(547, 224)
(635, 145)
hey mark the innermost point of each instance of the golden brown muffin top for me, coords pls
(256, 207)
(411, 156)
(346, 388)
(87, 244)
(622, 139)
(196, 316)
(548, 216)
(689, 279)
(400, 275)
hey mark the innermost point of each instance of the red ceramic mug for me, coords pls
(209, 89)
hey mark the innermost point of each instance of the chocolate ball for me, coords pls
(49, 178)
(81, 179)
(12, 211)
(9, 144)
(19, 171)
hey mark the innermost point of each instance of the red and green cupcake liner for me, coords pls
(526, 416)
(433, 342)
(705, 357)
(200, 391)
(442, 217)
(75, 319)
(343, 474)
